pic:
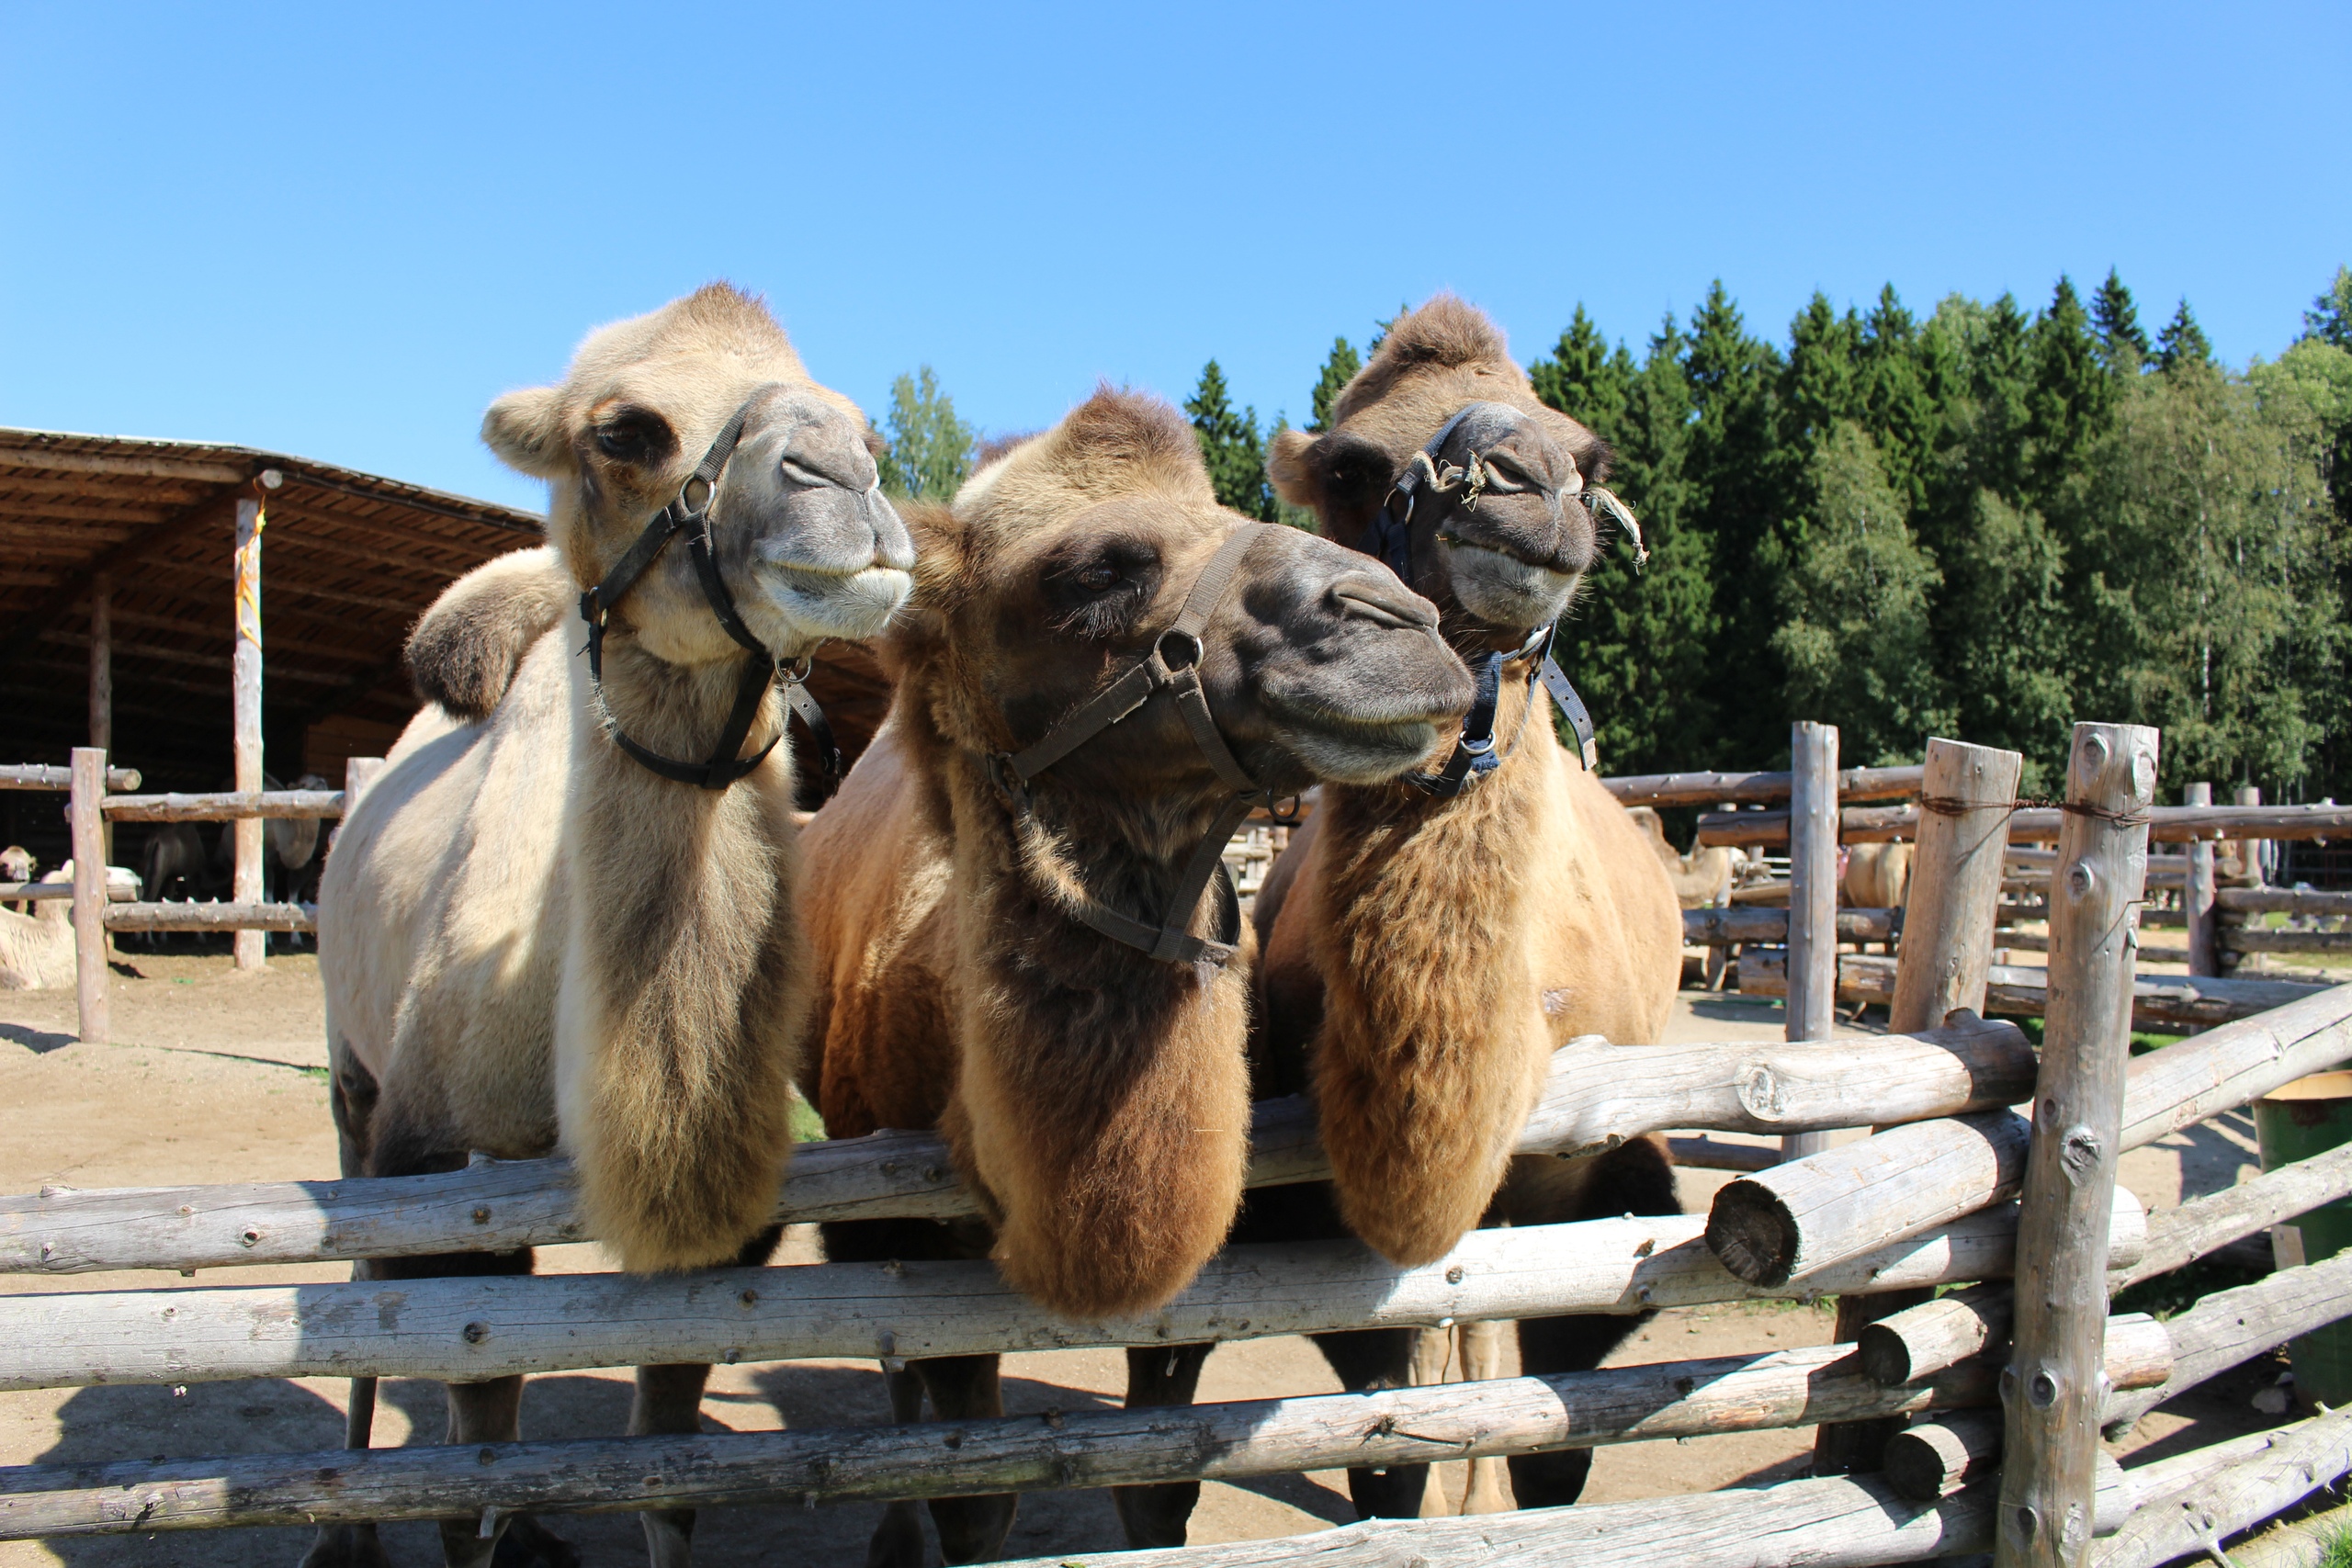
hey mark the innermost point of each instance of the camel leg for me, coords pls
(1482, 1358)
(1171, 1374)
(669, 1401)
(1433, 1360)
(897, 1542)
(961, 1388)
(1368, 1359)
(1633, 1179)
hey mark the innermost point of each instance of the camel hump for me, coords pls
(466, 648)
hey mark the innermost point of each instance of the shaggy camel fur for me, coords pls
(1095, 1097)
(1422, 957)
(531, 941)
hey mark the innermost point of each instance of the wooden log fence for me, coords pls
(50, 776)
(2167, 824)
(1597, 1095)
(229, 806)
(2158, 1001)
(1735, 925)
(1714, 789)
(1105, 1448)
(193, 916)
(2296, 1463)
(1811, 1212)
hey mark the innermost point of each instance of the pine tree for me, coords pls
(2182, 341)
(2117, 320)
(930, 450)
(1899, 417)
(1231, 447)
(1853, 598)
(2068, 395)
(1339, 367)
(2330, 318)
(1742, 477)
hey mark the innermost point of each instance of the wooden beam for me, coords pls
(87, 829)
(1713, 789)
(245, 673)
(1812, 1008)
(230, 807)
(191, 470)
(186, 522)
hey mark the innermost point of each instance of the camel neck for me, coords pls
(677, 710)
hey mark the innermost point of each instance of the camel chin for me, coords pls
(1504, 591)
(1361, 753)
(816, 604)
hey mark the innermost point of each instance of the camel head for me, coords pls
(806, 545)
(1498, 533)
(1061, 564)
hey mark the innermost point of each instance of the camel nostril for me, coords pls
(1363, 597)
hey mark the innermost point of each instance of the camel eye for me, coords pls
(1098, 577)
(625, 442)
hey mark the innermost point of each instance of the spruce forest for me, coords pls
(1985, 523)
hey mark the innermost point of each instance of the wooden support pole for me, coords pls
(101, 679)
(1967, 794)
(86, 822)
(1812, 897)
(2197, 901)
(245, 677)
(2055, 1388)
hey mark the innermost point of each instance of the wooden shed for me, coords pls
(118, 614)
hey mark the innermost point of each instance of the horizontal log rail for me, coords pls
(2281, 901)
(461, 1329)
(1811, 1212)
(2157, 1000)
(1082, 1448)
(1735, 925)
(229, 806)
(1713, 789)
(193, 916)
(2259, 939)
(2167, 824)
(2296, 1461)
(1922, 1340)
(1597, 1095)
(35, 891)
(50, 775)
(2229, 1327)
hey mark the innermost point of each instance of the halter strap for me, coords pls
(1170, 940)
(689, 513)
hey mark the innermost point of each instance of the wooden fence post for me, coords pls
(1946, 955)
(251, 947)
(1812, 898)
(2251, 794)
(2054, 1385)
(85, 820)
(2197, 900)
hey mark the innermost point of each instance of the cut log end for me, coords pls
(1886, 1359)
(1752, 1233)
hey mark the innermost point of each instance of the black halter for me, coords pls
(689, 513)
(1173, 665)
(1390, 538)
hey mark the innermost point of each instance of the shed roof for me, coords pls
(349, 560)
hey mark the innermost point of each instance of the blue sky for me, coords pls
(339, 232)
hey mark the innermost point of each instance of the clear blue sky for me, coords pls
(340, 231)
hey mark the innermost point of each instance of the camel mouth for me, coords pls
(853, 604)
(1366, 745)
(1504, 590)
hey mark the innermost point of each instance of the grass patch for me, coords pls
(2183, 1288)
(808, 1127)
(321, 1074)
(2338, 1552)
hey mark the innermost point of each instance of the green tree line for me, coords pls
(1987, 522)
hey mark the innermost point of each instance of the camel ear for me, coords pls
(525, 429)
(1290, 464)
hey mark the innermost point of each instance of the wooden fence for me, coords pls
(1952, 1188)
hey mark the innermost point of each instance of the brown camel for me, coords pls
(1012, 940)
(1425, 945)
(562, 918)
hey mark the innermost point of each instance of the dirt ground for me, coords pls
(218, 1077)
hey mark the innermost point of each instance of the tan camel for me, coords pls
(1878, 877)
(552, 924)
(37, 949)
(1425, 948)
(999, 930)
(1701, 878)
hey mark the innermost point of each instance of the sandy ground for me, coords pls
(217, 1077)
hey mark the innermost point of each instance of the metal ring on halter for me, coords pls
(1160, 648)
(798, 670)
